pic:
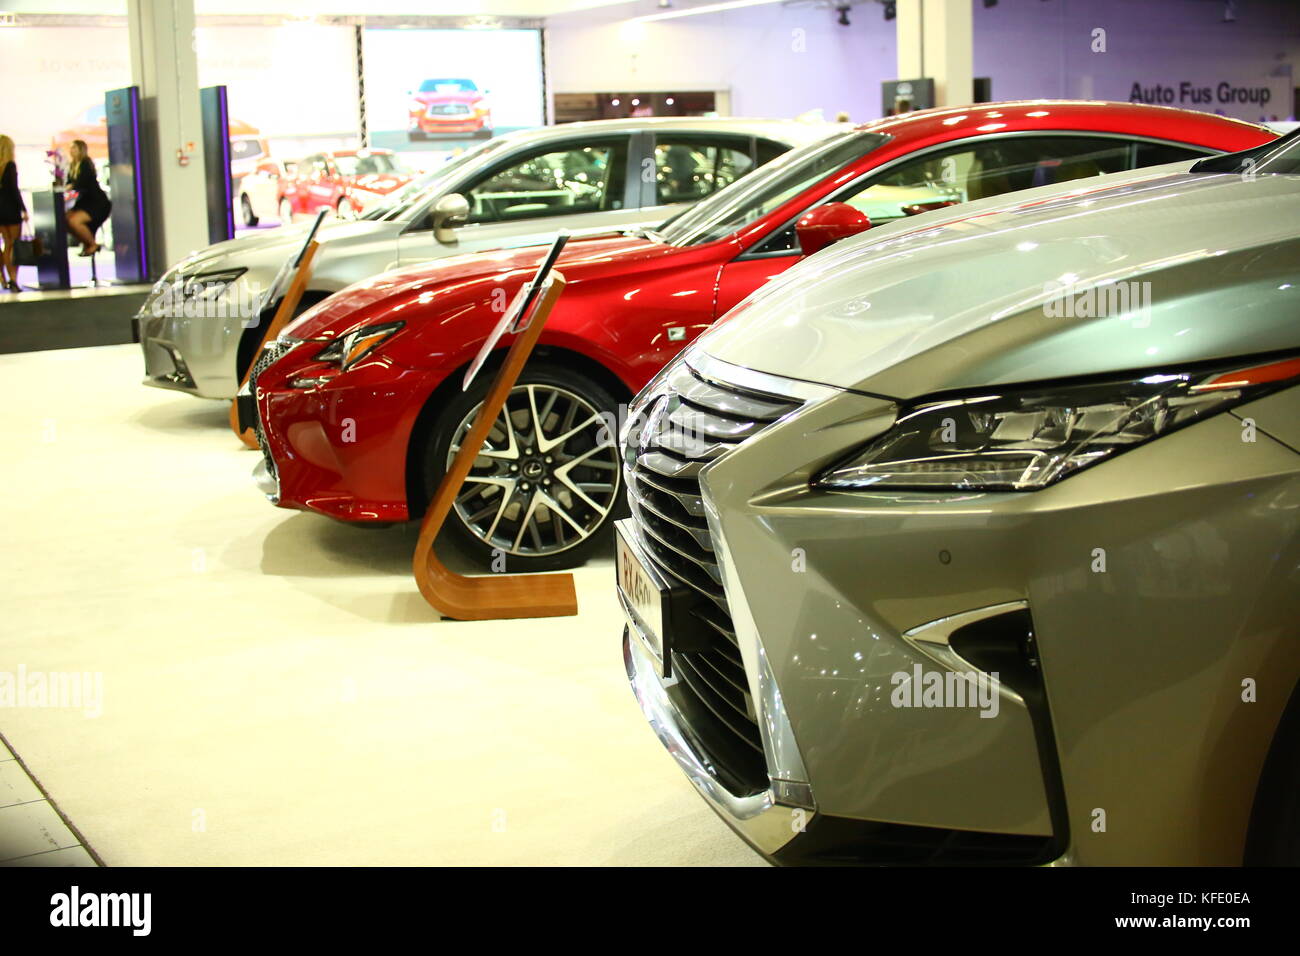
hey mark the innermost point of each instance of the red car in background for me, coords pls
(448, 106)
(343, 181)
(360, 407)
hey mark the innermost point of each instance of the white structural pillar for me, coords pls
(165, 66)
(934, 40)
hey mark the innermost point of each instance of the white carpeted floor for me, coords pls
(275, 691)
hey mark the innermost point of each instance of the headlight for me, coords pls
(1025, 440)
(351, 348)
(211, 285)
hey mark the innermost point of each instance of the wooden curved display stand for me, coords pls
(490, 596)
(282, 316)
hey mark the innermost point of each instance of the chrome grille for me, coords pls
(685, 423)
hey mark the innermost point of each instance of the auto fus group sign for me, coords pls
(1244, 100)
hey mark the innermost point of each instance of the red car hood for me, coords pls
(380, 183)
(432, 287)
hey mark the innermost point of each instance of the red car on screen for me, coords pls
(360, 405)
(343, 181)
(443, 106)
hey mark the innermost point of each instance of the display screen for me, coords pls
(438, 92)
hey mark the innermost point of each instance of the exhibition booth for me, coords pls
(651, 433)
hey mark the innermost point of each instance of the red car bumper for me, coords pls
(449, 124)
(339, 447)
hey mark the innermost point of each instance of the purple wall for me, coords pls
(1176, 52)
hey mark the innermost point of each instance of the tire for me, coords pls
(286, 212)
(416, 136)
(246, 210)
(563, 504)
(343, 210)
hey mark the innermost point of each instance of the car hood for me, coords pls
(433, 287)
(274, 245)
(973, 297)
(380, 183)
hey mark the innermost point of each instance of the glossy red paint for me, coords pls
(341, 180)
(341, 440)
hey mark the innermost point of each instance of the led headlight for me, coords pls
(347, 350)
(211, 285)
(1023, 440)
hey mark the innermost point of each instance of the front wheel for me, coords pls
(545, 488)
(286, 212)
(246, 210)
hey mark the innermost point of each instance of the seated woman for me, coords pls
(92, 206)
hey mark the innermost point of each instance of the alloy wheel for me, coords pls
(546, 477)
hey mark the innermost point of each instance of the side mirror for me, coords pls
(819, 227)
(450, 210)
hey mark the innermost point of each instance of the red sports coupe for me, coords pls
(448, 106)
(344, 181)
(360, 403)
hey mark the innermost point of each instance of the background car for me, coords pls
(259, 192)
(208, 356)
(929, 460)
(389, 353)
(343, 182)
(442, 106)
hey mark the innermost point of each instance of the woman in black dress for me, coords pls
(92, 206)
(12, 213)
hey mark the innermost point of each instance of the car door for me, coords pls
(946, 176)
(531, 194)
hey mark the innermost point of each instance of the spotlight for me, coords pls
(1229, 11)
(665, 4)
(891, 9)
(990, 3)
(843, 19)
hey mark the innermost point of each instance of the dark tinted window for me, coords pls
(688, 168)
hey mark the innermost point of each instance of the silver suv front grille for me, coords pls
(685, 423)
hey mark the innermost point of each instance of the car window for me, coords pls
(690, 168)
(1157, 154)
(553, 182)
(971, 171)
(766, 189)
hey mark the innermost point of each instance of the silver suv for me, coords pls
(975, 538)
(200, 326)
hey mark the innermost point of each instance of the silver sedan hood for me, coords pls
(273, 246)
(985, 294)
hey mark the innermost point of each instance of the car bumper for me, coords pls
(456, 124)
(196, 354)
(339, 449)
(1134, 707)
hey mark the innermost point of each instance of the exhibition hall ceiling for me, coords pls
(422, 8)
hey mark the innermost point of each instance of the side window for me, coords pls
(769, 150)
(1157, 154)
(990, 168)
(690, 168)
(976, 171)
(556, 182)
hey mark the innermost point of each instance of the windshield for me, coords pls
(755, 195)
(405, 202)
(367, 164)
(448, 86)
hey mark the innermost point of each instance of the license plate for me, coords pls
(644, 597)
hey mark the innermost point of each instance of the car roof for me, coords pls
(793, 132)
(1138, 119)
